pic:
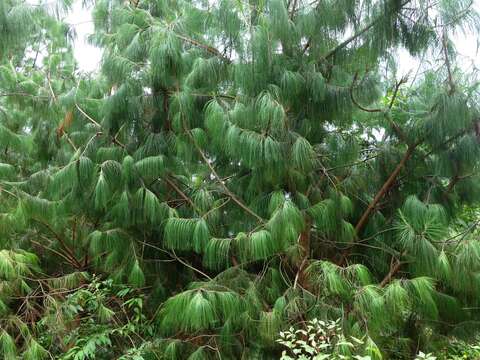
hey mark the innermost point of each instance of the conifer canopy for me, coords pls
(233, 169)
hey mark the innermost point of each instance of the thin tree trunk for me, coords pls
(304, 242)
(393, 270)
(380, 194)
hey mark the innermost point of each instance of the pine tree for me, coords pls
(249, 166)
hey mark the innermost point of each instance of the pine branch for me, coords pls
(380, 194)
(447, 63)
(62, 243)
(182, 194)
(396, 265)
(134, 3)
(399, 83)
(397, 129)
(216, 207)
(69, 140)
(12, 94)
(356, 163)
(64, 257)
(99, 133)
(446, 142)
(304, 243)
(174, 256)
(385, 187)
(93, 137)
(460, 14)
(208, 48)
(50, 87)
(220, 182)
(89, 118)
(350, 39)
(355, 102)
(463, 234)
(453, 181)
(2, 189)
(386, 111)
(293, 9)
(358, 34)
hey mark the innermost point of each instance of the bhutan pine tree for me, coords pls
(246, 166)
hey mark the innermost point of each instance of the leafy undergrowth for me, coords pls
(326, 340)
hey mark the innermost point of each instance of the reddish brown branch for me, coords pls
(355, 102)
(208, 48)
(447, 63)
(359, 33)
(396, 264)
(68, 252)
(383, 190)
(455, 179)
(181, 193)
(304, 243)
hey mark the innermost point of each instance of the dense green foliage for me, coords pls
(237, 168)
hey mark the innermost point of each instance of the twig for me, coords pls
(67, 259)
(190, 266)
(70, 140)
(447, 63)
(355, 102)
(2, 189)
(216, 207)
(181, 193)
(67, 250)
(394, 268)
(87, 116)
(358, 34)
(176, 258)
(208, 48)
(399, 83)
(50, 87)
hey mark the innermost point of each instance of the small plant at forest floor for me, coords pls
(460, 350)
(324, 340)
(422, 356)
(108, 319)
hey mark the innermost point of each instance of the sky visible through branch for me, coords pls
(89, 57)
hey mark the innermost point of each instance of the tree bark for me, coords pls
(304, 243)
(393, 270)
(383, 190)
(380, 194)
